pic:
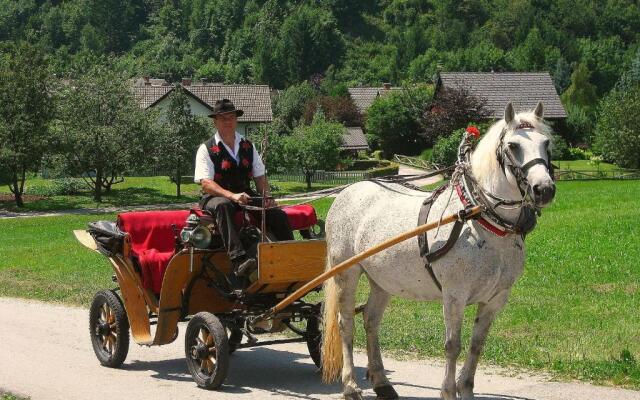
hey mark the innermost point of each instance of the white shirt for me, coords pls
(205, 168)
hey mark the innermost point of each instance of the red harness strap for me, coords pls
(482, 221)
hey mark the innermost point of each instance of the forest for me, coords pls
(285, 42)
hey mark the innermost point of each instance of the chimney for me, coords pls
(186, 82)
(386, 86)
(146, 80)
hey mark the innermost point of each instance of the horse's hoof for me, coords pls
(386, 392)
(353, 396)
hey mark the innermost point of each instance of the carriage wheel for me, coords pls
(109, 329)
(207, 350)
(314, 340)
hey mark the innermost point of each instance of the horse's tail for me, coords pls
(331, 340)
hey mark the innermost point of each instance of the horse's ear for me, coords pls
(509, 114)
(539, 111)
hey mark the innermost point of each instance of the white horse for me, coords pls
(509, 172)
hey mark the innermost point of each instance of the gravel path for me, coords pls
(45, 353)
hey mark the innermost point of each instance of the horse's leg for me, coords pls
(347, 283)
(373, 312)
(453, 309)
(485, 316)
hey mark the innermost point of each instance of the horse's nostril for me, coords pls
(536, 190)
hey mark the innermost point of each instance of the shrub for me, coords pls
(361, 165)
(391, 169)
(378, 155)
(560, 149)
(445, 150)
(426, 154)
(58, 187)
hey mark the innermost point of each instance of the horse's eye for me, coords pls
(513, 145)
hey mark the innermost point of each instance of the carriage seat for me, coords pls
(152, 241)
(153, 238)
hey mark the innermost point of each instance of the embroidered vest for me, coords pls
(229, 174)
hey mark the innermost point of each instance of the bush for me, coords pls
(445, 150)
(576, 153)
(426, 154)
(378, 155)
(58, 187)
(560, 149)
(391, 169)
(361, 165)
(580, 123)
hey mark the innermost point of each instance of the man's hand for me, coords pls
(240, 198)
(269, 202)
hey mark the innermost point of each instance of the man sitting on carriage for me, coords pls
(225, 164)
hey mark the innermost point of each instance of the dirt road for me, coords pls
(45, 353)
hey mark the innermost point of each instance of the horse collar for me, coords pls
(491, 227)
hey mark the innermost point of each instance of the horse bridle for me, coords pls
(520, 172)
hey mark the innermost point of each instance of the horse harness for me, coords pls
(471, 194)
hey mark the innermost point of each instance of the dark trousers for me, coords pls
(223, 211)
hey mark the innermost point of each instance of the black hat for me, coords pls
(224, 106)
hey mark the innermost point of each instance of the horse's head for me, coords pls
(518, 148)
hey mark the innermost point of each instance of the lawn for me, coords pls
(574, 312)
(134, 191)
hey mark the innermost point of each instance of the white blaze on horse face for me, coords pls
(527, 145)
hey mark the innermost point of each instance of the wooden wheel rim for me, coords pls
(204, 351)
(106, 329)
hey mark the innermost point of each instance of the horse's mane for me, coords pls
(484, 162)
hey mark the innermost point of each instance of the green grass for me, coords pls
(573, 313)
(9, 396)
(134, 191)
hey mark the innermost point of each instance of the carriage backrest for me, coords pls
(152, 229)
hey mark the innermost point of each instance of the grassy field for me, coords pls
(132, 192)
(574, 312)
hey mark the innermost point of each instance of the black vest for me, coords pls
(229, 174)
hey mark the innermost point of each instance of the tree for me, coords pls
(289, 105)
(616, 136)
(451, 109)
(561, 75)
(26, 109)
(309, 43)
(393, 121)
(581, 92)
(313, 147)
(104, 130)
(180, 137)
(339, 109)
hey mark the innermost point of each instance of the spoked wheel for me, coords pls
(109, 329)
(207, 350)
(313, 335)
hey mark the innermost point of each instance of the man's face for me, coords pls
(226, 123)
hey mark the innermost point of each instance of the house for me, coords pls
(354, 140)
(254, 100)
(363, 96)
(523, 89)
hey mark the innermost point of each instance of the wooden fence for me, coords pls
(570, 175)
(414, 162)
(329, 177)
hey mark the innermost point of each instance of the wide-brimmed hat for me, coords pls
(224, 106)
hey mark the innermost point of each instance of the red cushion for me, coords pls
(152, 241)
(302, 216)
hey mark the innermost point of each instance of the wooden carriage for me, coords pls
(163, 280)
